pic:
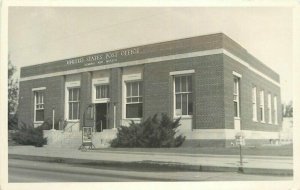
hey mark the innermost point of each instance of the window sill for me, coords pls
(183, 116)
(134, 119)
(102, 100)
(38, 122)
(73, 121)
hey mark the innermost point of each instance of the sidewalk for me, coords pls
(267, 165)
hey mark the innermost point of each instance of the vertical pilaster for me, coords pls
(85, 94)
(115, 97)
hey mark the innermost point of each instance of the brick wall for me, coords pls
(207, 89)
(53, 98)
(248, 79)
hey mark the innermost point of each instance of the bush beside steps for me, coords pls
(152, 133)
(28, 135)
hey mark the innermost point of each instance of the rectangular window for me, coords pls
(254, 104)
(73, 102)
(236, 96)
(269, 109)
(39, 106)
(275, 110)
(262, 106)
(183, 95)
(134, 99)
(102, 91)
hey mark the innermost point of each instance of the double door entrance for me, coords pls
(101, 116)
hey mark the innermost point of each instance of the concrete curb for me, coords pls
(155, 165)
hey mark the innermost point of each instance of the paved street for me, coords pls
(263, 162)
(33, 171)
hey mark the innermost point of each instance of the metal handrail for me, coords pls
(67, 127)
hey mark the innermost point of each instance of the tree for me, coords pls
(12, 96)
(287, 110)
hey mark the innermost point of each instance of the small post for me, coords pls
(241, 157)
(240, 141)
(114, 115)
(53, 117)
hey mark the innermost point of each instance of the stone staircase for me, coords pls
(73, 139)
(63, 139)
(102, 139)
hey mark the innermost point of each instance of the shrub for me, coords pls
(12, 121)
(152, 133)
(28, 135)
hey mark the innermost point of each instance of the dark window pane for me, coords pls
(107, 91)
(135, 99)
(75, 110)
(103, 92)
(97, 92)
(178, 101)
(134, 110)
(39, 115)
(75, 94)
(235, 84)
(141, 89)
(189, 78)
(183, 84)
(128, 89)
(184, 104)
(70, 94)
(135, 89)
(128, 100)
(177, 84)
(235, 109)
(190, 104)
(78, 94)
(78, 113)
(70, 111)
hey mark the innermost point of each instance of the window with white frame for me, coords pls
(275, 110)
(102, 91)
(183, 95)
(262, 105)
(236, 96)
(269, 109)
(134, 99)
(73, 103)
(254, 104)
(39, 106)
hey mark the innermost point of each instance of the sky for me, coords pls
(42, 34)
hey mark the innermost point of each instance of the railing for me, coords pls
(65, 126)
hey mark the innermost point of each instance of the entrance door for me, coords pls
(101, 116)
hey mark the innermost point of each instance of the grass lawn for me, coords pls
(283, 150)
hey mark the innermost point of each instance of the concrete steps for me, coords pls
(102, 139)
(65, 139)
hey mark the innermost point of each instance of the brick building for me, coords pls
(211, 82)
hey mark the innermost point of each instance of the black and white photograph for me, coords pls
(150, 94)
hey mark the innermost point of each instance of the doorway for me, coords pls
(101, 116)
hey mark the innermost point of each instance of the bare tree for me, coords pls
(13, 90)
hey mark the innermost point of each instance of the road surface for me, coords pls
(34, 171)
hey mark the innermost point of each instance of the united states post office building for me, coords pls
(211, 82)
